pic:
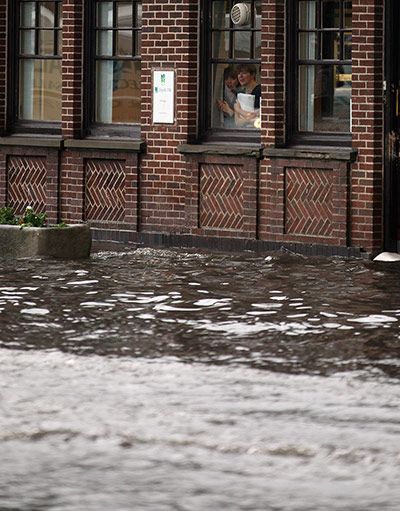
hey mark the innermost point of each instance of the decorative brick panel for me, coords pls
(26, 183)
(105, 190)
(308, 202)
(221, 197)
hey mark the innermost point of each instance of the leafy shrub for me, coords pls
(32, 219)
(7, 216)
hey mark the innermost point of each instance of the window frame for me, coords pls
(295, 137)
(16, 125)
(205, 132)
(93, 128)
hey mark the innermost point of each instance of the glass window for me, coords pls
(323, 66)
(231, 69)
(39, 60)
(117, 61)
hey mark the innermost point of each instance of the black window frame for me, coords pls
(295, 137)
(14, 56)
(93, 128)
(205, 132)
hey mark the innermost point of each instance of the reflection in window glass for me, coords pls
(124, 14)
(324, 66)
(40, 90)
(231, 46)
(118, 65)
(221, 15)
(46, 14)
(307, 15)
(330, 15)
(220, 45)
(324, 98)
(118, 98)
(242, 44)
(39, 86)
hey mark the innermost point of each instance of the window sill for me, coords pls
(254, 151)
(32, 141)
(326, 153)
(135, 146)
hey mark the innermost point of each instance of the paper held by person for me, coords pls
(246, 101)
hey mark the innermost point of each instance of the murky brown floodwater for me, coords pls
(168, 380)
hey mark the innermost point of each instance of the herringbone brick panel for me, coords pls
(221, 197)
(105, 190)
(308, 202)
(26, 183)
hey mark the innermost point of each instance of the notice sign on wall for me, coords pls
(163, 97)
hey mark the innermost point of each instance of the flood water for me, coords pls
(172, 380)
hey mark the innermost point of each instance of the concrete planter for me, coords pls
(72, 242)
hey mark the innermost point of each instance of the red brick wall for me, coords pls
(31, 175)
(174, 194)
(169, 40)
(367, 102)
(273, 112)
(3, 64)
(72, 68)
(221, 196)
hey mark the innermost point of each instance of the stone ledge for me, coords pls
(91, 144)
(349, 155)
(254, 151)
(72, 242)
(34, 141)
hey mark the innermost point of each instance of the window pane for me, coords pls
(59, 42)
(28, 42)
(308, 15)
(347, 46)
(257, 45)
(124, 14)
(330, 45)
(324, 100)
(124, 42)
(347, 14)
(258, 15)
(330, 15)
(40, 90)
(118, 91)
(138, 46)
(139, 15)
(221, 14)
(46, 14)
(224, 90)
(241, 44)
(28, 14)
(307, 45)
(46, 42)
(104, 42)
(220, 45)
(104, 14)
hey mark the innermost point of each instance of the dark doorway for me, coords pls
(392, 124)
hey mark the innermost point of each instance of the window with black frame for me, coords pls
(38, 70)
(231, 90)
(323, 77)
(115, 68)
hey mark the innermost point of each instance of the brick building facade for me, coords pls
(186, 182)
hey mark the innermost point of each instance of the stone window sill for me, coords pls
(254, 151)
(333, 153)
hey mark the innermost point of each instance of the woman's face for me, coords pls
(231, 82)
(244, 78)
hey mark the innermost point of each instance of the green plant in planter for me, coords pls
(7, 216)
(32, 219)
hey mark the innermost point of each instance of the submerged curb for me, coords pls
(72, 242)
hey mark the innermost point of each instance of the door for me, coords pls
(392, 125)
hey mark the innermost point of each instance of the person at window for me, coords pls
(247, 109)
(230, 90)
